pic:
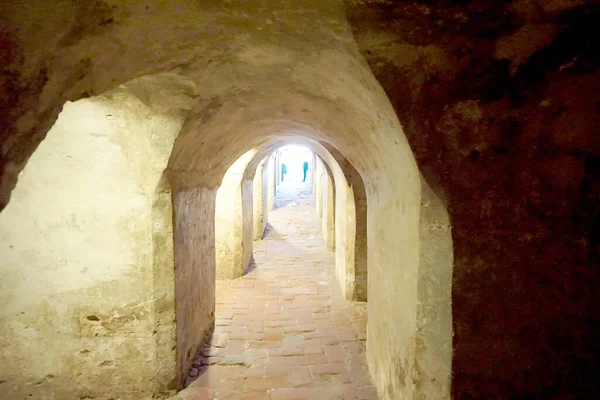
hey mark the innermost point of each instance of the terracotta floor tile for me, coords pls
(284, 331)
(301, 393)
(267, 382)
(300, 376)
(256, 395)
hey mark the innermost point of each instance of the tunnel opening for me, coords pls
(294, 165)
(146, 146)
(499, 100)
(278, 296)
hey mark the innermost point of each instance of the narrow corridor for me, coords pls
(283, 331)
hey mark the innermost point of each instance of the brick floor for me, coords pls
(283, 331)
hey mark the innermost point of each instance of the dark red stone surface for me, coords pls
(512, 138)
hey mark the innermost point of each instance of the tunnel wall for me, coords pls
(329, 214)
(319, 177)
(355, 274)
(345, 227)
(265, 195)
(314, 178)
(342, 189)
(195, 272)
(434, 310)
(247, 223)
(499, 101)
(258, 197)
(271, 183)
(315, 80)
(86, 257)
(233, 221)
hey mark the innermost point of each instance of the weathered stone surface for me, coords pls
(233, 220)
(499, 101)
(87, 258)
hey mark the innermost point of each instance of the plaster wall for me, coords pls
(195, 272)
(313, 177)
(343, 230)
(328, 217)
(265, 195)
(247, 230)
(360, 239)
(271, 182)
(233, 237)
(301, 74)
(86, 255)
(319, 188)
(345, 227)
(258, 185)
(393, 276)
(434, 309)
(355, 228)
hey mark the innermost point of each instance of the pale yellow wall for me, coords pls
(86, 253)
(271, 182)
(265, 194)
(233, 238)
(258, 222)
(345, 238)
(319, 188)
(247, 230)
(313, 177)
(254, 87)
(393, 277)
(434, 309)
(352, 228)
(328, 205)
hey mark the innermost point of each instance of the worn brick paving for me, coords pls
(283, 331)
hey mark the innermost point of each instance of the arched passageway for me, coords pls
(111, 291)
(284, 327)
(498, 100)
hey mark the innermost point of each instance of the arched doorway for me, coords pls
(200, 151)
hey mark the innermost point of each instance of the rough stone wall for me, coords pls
(499, 101)
(86, 256)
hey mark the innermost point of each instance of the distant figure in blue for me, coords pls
(283, 171)
(305, 166)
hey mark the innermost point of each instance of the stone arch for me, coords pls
(233, 220)
(91, 218)
(341, 186)
(353, 250)
(223, 123)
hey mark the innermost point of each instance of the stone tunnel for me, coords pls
(446, 244)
